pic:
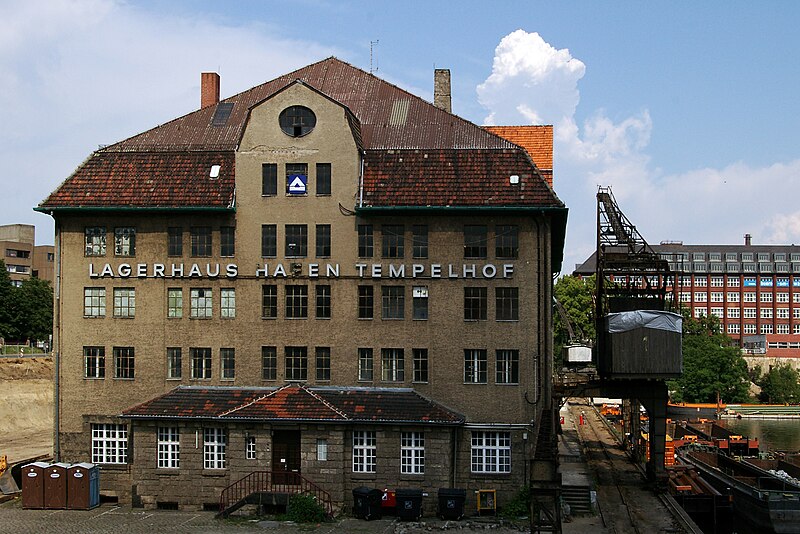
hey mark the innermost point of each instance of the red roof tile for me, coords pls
(296, 403)
(537, 140)
(453, 178)
(148, 180)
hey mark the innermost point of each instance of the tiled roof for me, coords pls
(537, 140)
(453, 178)
(148, 180)
(390, 117)
(296, 403)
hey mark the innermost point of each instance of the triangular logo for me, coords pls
(297, 184)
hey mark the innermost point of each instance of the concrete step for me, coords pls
(578, 498)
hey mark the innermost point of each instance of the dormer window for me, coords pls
(297, 121)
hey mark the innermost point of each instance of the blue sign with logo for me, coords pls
(749, 282)
(297, 184)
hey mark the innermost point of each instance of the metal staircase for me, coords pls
(263, 486)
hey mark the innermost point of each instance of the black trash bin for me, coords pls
(408, 504)
(451, 503)
(367, 503)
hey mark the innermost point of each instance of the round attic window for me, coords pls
(297, 121)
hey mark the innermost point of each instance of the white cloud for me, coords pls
(77, 74)
(534, 83)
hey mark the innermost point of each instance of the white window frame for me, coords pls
(201, 303)
(782, 329)
(750, 313)
(174, 302)
(94, 302)
(718, 296)
(227, 303)
(491, 452)
(719, 312)
(322, 450)
(766, 313)
(169, 447)
(250, 448)
(749, 329)
(782, 297)
(732, 281)
(733, 328)
(700, 296)
(700, 312)
(734, 313)
(215, 442)
(749, 296)
(125, 302)
(412, 453)
(109, 443)
(782, 313)
(733, 296)
(766, 328)
(765, 297)
(364, 451)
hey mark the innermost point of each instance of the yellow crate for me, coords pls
(487, 501)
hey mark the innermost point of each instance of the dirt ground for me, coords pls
(26, 407)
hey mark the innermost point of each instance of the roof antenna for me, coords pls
(371, 45)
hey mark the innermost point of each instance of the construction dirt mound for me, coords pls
(26, 407)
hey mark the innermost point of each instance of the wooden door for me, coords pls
(285, 456)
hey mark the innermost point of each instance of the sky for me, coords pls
(688, 110)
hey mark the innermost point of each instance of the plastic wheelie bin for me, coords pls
(367, 503)
(408, 504)
(451, 503)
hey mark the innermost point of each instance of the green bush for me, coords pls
(519, 506)
(304, 508)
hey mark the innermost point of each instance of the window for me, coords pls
(295, 171)
(749, 297)
(474, 241)
(765, 297)
(95, 240)
(507, 303)
(296, 363)
(227, 241)
(782, 329)
(124, 302)
(796, 297)
(730, 256)
(269, 179)
(749, 329)
(323, 301)
(700, 312)
(717, 281)
(109, 444)
(714, 256)
(795, 313)
(392, 240)
(175, 241)
(227, 357)
(296, 241)
(719, 312)
(250, 448)
(717, 296)
(766, 328)
(124, 362)
(297, 121)
(323, 240)
(700, 296)
(506, 241)
(393, 302)
(323, 179)
(782, 313)
(94, 302)
(365, 365)
(782, 297)
(733, 328)
(420, 365)
(393, 365)
(732, 281)
(475, 304)
(700, 281)
(323, 363)
(269, 240)
(175, 302)
(412, 453)
(169, 447)
(733, 296)
(125, 241)
(491, 452)
(734, 313)
(475, 364)
(763, 256)
(419, 241)
(766, 313)
(269, 302)
(296, 302)
(215, 442)
(269, 363)
(749, 313)
(364, 451)
(201, 363)
(94, 362)
(365, 302)
(201, 303)
(420, 302)
(227, 303)
(365, 241)
(686, 297)
(174, 363)
(201, 241)
(322, 450)
(507, 366)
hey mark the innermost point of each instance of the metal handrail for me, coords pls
(263, 481)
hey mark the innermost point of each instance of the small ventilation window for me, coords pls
(214, 173)
(222, 113)
(297, 121)
(513, 179)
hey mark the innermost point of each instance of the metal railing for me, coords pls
(270, 482)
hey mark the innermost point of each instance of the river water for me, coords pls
(772, 434)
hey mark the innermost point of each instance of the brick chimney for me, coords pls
(441, 89)
(209, 89)
(747, 238)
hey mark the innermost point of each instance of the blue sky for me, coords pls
(689, 111)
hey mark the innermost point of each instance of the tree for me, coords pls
(713, 370)
(780, 385)
(35, 305)
(8, 305)
(576, 296)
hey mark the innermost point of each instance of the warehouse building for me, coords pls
(323, 277)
